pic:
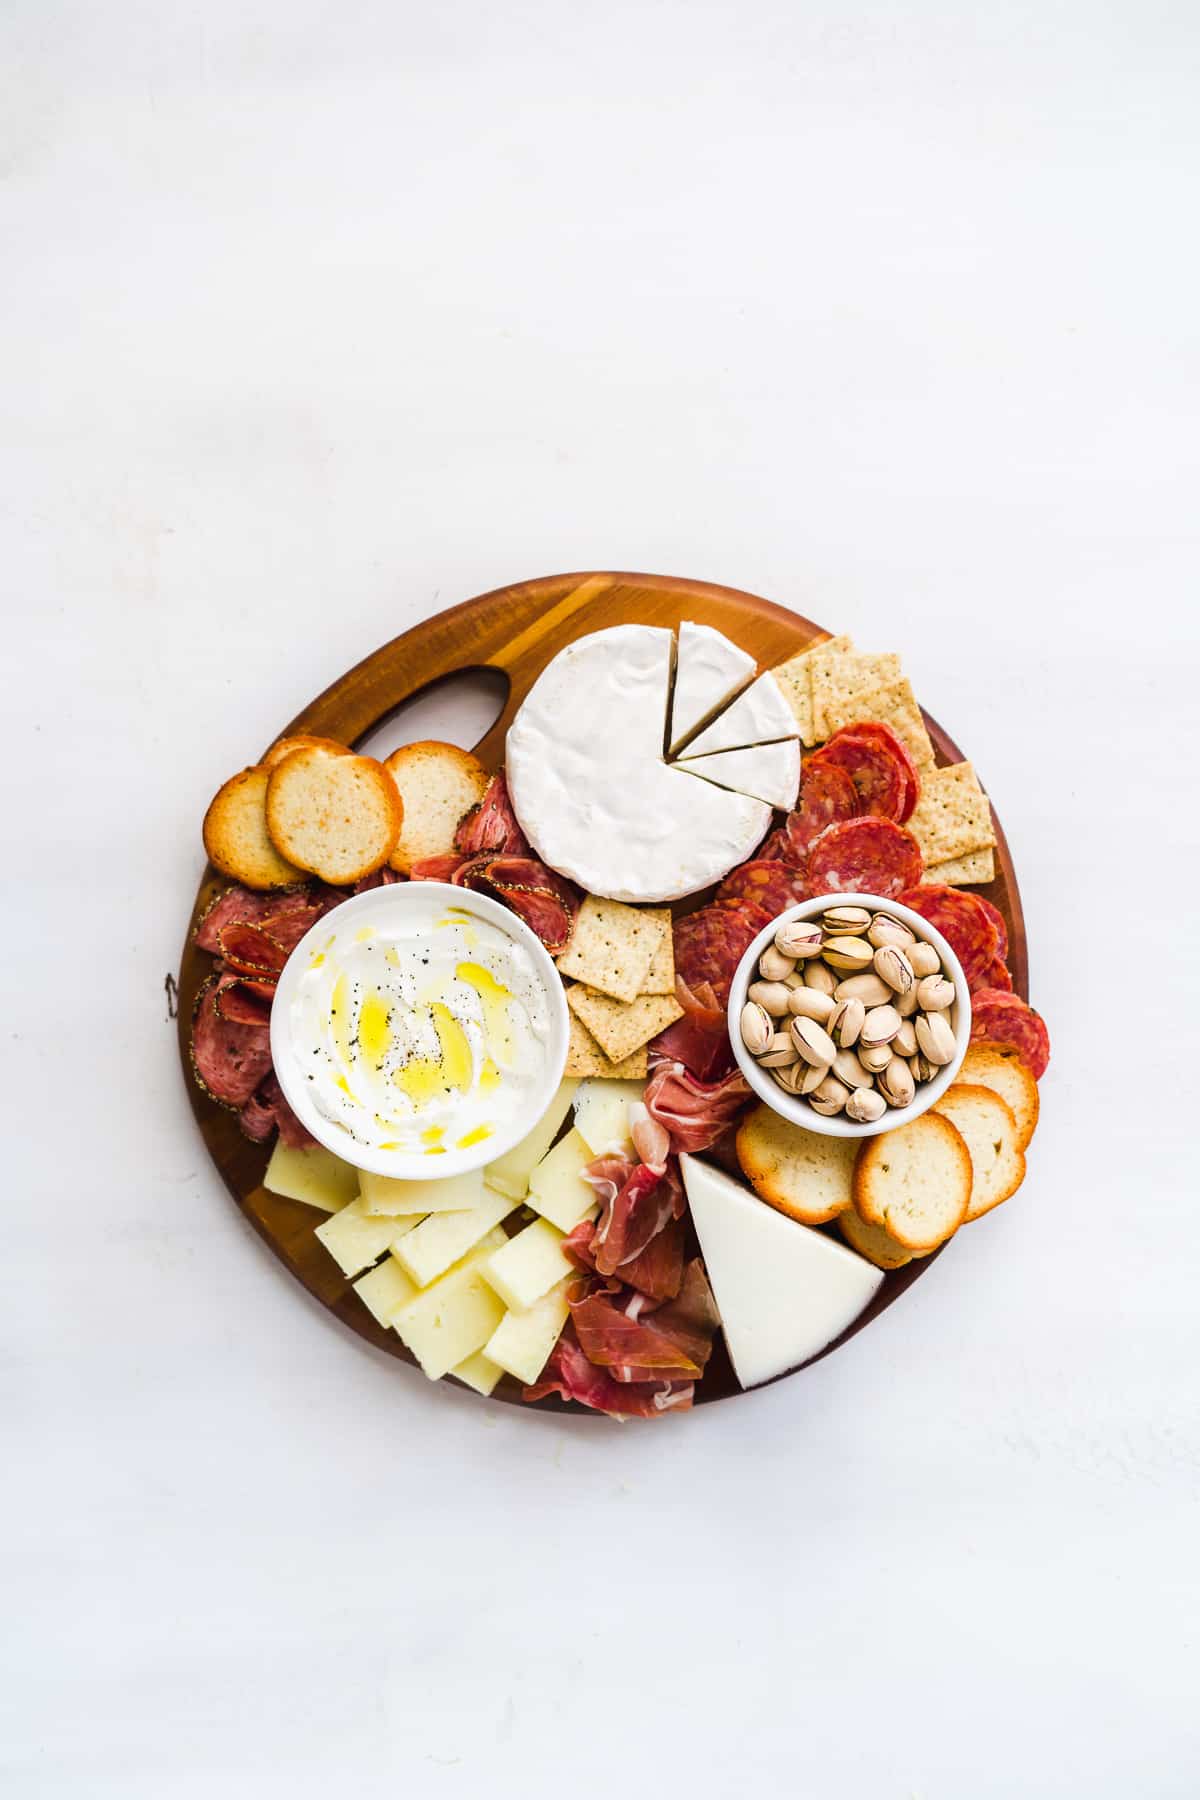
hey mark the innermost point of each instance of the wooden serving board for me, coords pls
(515, 630)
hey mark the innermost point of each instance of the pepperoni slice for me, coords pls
(875, 731)
(997, 918)
(772, 885)
(710, 943)
(1004, 1021)
(963, 922)
(996, 976)
(880, 778)
(864, 856)
(777, 846)
(827, 795)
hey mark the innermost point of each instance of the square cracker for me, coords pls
(836, 680)
(612, 947)
(660, 977)
(795, 680)
(896, 705)
(972, 870)
(952, 816)
(585, 1057)
(621, 1027)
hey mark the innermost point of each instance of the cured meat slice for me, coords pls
(777, 846)
(879, 775)
(250, 949)
(827, 796)
(228, 1059)
(695, 1113)
(241, 1002)
(569, 1374)
(997, 977)
(376, 879)
(546, 900)
(710, 943)
(963, 922)
(240, 906)
(864, 856)
(635, 1215)
(492, 825)
(772, 885)
(1006, 1022)
(997, 918)
(703, 1049)
(436, 868)
(671, 1343)
(876, 732)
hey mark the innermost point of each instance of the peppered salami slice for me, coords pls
(1004, 1021)
(879, 776)
(773, 885)
(864, 856)
(250, 949)
(244, 1002)
(827, 795)
(711, 942)
(229, 1059)
(239, 906)
(963, 922)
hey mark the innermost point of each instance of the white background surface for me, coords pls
(316, 318)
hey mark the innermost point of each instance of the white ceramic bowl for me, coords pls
(427, 896)
(792, 1106)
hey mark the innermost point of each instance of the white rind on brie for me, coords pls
(591, 790)
(784, 1291)
(709, 671)
(760, 716)
(768, 772)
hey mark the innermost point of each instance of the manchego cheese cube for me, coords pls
(509, 1174)
(453, 1193)
(602, 1113)
(557, 1189)
(444, 1238)
(385, 1289)
(527, 1266)
(523, 1340)
(453, 1317)
(354, 1240)
(312, 1174)
(478, 1372)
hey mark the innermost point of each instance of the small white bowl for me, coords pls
(429, 897)
(791, 1106)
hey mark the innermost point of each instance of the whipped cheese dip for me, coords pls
(418, 1030)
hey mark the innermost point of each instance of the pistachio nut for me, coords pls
(875, 1057)
(829, 1097)
(799, 938)
(880, 1026)
(868, 988)
(906, 1004)
(852, 954)
(865, 1106)
(816, 975)
(886, 930)
(812, 1042)
(779, 1052)
(893, 966)
(810, 1003)
(922, 1068)
(772, 996)
(790, 1075)
(757, 1030)
(812, 1075)
(924, 958)
(846, 1022)
(773, 965)
(905, 1041)
(935, 1038)
(847, 1068)
(896, 1083)
(935, 993)
(845, 920)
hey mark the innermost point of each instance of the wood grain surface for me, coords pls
(515, 630)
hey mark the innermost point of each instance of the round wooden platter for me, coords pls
(515, 630)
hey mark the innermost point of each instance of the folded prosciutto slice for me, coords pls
(671, 1343)
(695, 1113)
(636, 1202)
(569, 1373)
(657, 1273)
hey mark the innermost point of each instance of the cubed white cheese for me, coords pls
(783, 1290)
(523, 1340)
(602, 1113)
(453, 1193)
(455, 1316)
(478, 1372)
(557, 1190)
(314, 1175)
(385, 1289)
(443, 1238)
(355, 1241)
(527, 1266)
(509, 1174)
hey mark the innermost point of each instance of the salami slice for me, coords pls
(996, 976)
(239, 906)
(244, 1002)
(229, 1060)
(827, 795)
(997, 918)
(864, 856)
(777, 846)
(879, 776)
(250, 949)
(710, 943)
(963, 922)
(437, 868)
(772, 885)
(546, 900)
(1004, 1021)
(875, 731)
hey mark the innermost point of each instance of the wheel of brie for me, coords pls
(593, 790)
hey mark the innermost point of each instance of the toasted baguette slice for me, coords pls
(872, 1241)
(989, 1130)
(798, 1172)
(1008, 1076)
(235, 834)
(285, 745)
(915, 1182)
(438, 783)
(337, 815)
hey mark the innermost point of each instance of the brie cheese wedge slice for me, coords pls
(784, 1291)
(709, 671)
(767, 772)
(760, 716)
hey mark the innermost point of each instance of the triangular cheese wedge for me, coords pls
(784, 1291)
(768, 772)
(709, 670)
(760, 716)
